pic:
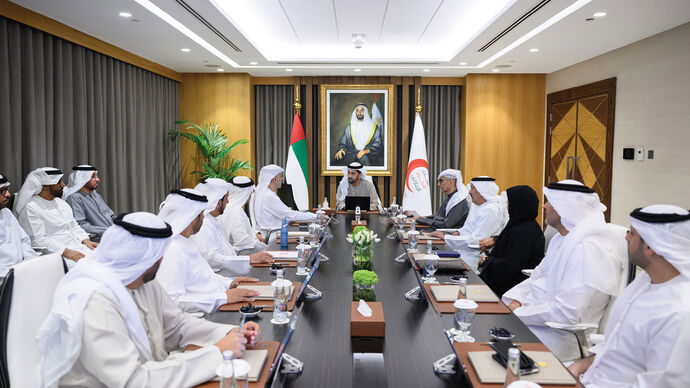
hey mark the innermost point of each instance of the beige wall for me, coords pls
(652, 111)
(219, 98)
(503, 129)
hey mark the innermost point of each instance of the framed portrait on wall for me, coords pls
(357, 124)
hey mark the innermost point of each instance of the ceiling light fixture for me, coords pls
(186, 50)
(463, 63)
(496, 70)
(551, 21)
(358, 70)
(533, 50)
(220, 69)
(426, 70)
(125, 14)
(253, 63)
(599, 14)
(186, 31)
(288, 69)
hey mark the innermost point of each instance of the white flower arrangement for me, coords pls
(363, 237)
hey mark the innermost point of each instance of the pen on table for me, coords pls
(244, 318)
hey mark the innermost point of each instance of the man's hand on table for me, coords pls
(486, 243)
(439, 234)
(236, 341)
(261, 258)
(242, 279)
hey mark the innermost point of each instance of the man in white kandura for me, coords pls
(269, 210)
(236, 223)
(356, 184)
(15, 244)
(648, 317)
(112, 325)
(89, 208)
(48, 219)
(454, 210)
(580, 272)
(212, 242)
(485, 219)
(187, 278)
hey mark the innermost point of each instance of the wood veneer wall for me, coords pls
(503, 129)
(226, 99)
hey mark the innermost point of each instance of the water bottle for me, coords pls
(325, 203)
(284, 235)
(393, 203)
(303, 254)
(463, 287)
(227, 375)
(279, 299)
(429, 250)
(513, 369)
(414, 225)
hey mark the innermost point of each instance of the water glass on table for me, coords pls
(465, 310)
(430, 267)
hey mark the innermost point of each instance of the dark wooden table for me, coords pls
(414, 338)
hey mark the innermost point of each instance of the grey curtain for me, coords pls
(62, 104)
(273, 115)
(441, 119)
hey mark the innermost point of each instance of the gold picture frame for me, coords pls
(338, 109)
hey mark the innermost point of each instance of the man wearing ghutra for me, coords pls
(453, 211)
(268, 208)
(112, 325)
(188, 279)
(236, 223)
(356, 184)
(648, 317)
(579, 274)
(212, 242)
(47, 218)
(362, 140)
(89, 208)
(15, 244)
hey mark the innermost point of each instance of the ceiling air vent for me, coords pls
(516, 23)
(210, 26)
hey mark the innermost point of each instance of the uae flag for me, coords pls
(296, 169)
(417, 194)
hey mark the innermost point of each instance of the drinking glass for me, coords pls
(430, 267)
(413, 238)
(464, 317)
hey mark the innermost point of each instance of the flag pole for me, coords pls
(418, 108)
(297, 105)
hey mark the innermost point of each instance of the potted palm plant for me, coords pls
(215, 148)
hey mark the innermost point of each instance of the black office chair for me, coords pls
(285, 195)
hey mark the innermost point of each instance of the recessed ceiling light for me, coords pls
(496, 70)
(186, 50)
(288, 69)
(129, 15)
(220, 69)
(253, 63)
(358, 70)
(463, 63)
(599, 14)
(533, 50)
(426, 70)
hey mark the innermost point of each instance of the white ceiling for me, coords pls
(403, 37)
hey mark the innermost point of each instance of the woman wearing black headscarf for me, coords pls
(519, 246)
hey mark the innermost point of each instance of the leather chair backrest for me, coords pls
(549, 232)
(34, 282)
(285, 194)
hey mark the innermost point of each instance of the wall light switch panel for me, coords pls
(650, 154)
(640, 154)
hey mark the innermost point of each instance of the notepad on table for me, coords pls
(256, 359)
(265, 290)
(475, 292)
(283, 255)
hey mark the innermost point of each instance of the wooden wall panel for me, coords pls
(220, 98)
(503, 128)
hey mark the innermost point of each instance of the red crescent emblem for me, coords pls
(412, 166)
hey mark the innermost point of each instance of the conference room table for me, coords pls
(414, 336)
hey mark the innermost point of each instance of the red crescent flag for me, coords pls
(417, 195)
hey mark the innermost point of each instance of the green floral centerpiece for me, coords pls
(363, 281)
(362, 240)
